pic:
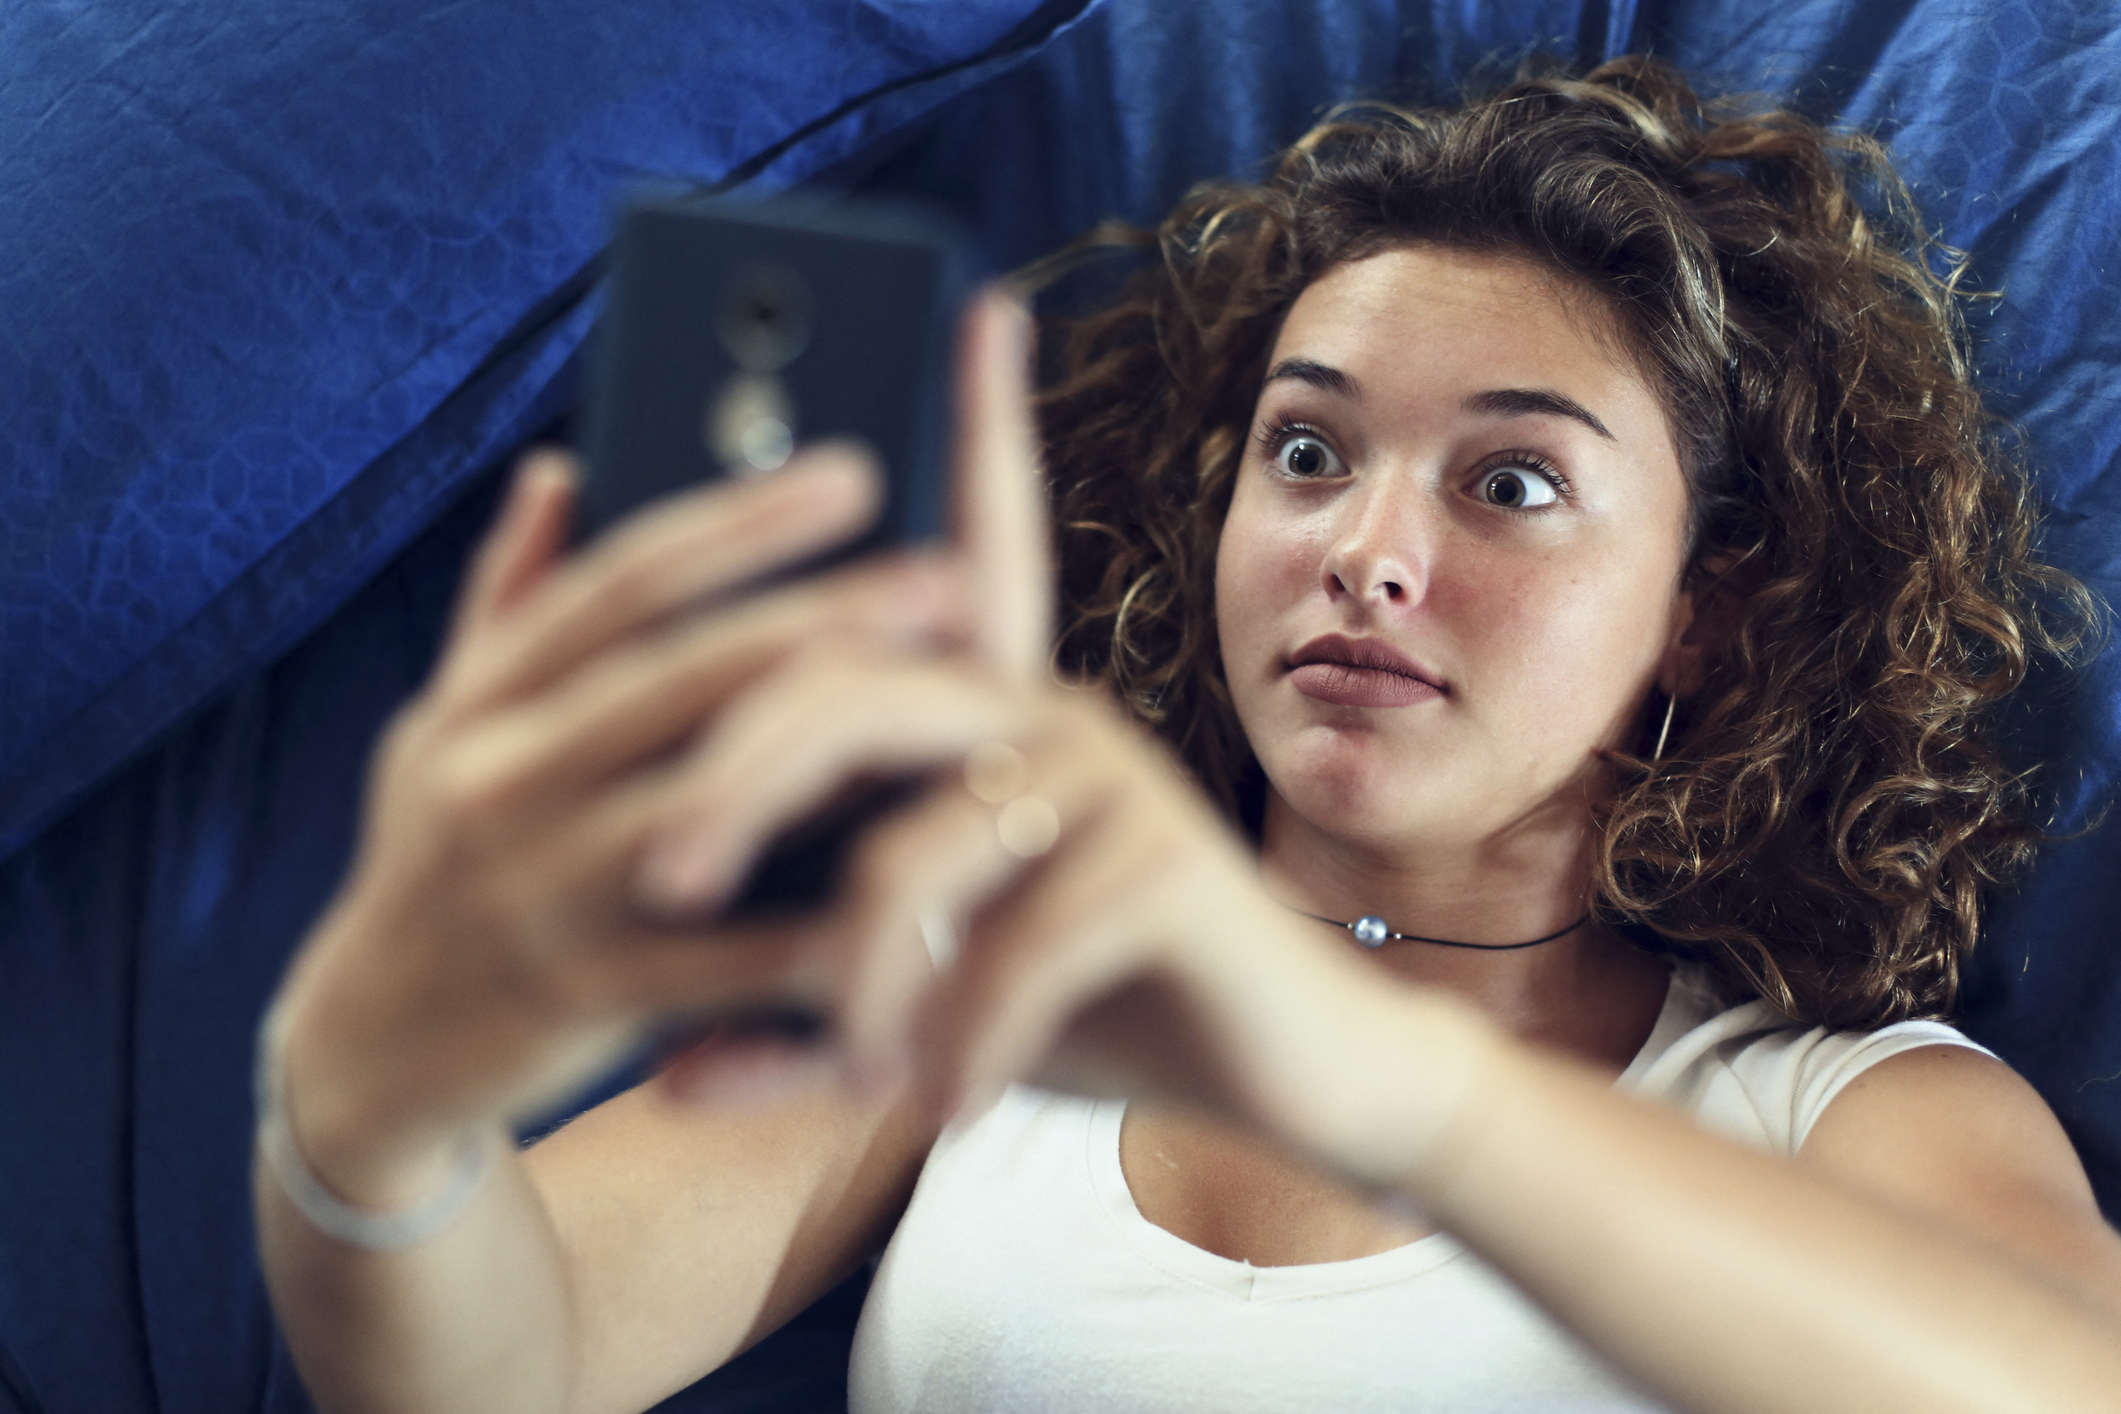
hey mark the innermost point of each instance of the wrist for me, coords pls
(383, 1198)
(351, 1080)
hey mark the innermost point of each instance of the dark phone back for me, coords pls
(738, 329)
(735, 331)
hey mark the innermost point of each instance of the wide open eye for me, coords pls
(1306, 458)
(1517, 488)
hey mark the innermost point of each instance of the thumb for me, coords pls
(1001, 510)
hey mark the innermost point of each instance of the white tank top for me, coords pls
(1023, 1278)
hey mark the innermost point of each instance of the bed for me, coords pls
(288, 283)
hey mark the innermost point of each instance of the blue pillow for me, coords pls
(281, 274)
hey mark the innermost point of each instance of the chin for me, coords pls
(1349, 792)
(1359, 820)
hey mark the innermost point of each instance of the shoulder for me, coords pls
(1954, 1137)
(1914, 1115)
(1944, 1117)
(1748, 1072)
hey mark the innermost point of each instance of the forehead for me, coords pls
(1475, 317)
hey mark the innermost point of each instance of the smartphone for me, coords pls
(737, 330)
(734, 332)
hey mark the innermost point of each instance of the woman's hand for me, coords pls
(493, 944)
(488, 948)
(1062, 905)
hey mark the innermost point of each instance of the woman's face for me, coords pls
(1451, 567)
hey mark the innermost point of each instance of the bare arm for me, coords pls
(486, 953)
(687, 1240)
(632, 1252)
(1935, 1246)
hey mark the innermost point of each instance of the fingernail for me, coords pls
(1017, 321)
(679, 874)
(545, 464)
(839, 466)
(1008, 307)
(923, 592)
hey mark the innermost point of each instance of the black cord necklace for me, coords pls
(1373, 932)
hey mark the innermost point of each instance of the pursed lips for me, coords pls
(1360, 672)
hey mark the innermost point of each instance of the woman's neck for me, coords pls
(1588, 991)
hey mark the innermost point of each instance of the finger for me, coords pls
(783, 750)
(525, 539)
(645, 985)
(650, 693)
(666, 559)
(719, 972)
(914, 877)
(572, 921)
(1001, 491)
(745, 1067)
(1134, 960)
(1067, 936)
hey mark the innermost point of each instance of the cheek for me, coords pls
(1263, 569)
(1573, 644)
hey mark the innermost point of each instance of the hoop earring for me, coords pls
(1664, 731)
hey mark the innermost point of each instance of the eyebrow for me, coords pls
(1534, 402)
(1318, 375)
(1496, 402)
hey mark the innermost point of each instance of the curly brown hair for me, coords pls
(1833, 805)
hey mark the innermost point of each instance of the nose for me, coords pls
(1380, 550)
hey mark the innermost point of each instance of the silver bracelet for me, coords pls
(327, 1211)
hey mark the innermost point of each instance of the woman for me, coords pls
(1561, 534)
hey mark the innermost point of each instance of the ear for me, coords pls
(1712, 604)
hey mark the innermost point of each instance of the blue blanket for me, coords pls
(286, 281)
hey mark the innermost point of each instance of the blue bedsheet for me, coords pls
(286, 281)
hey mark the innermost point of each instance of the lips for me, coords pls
(1360, 672)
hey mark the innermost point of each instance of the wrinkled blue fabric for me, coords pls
(285, 282)
(280, 275)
